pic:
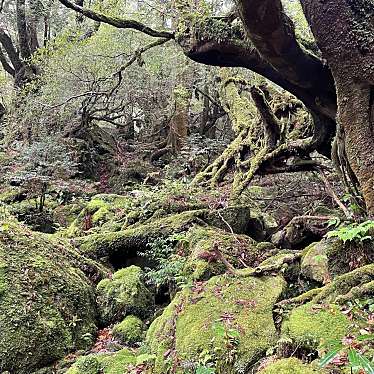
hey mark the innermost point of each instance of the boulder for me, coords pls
(104, 363)
(47, 303)
(227, 319)
(129, 331)
(310, 326)
(123, 294)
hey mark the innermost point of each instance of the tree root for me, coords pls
(263, 144)
(356, 284)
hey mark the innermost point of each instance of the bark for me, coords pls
(23, 35)
(10, 50)
(6, 66)
(179, 121)
(343, 30)
(270, 122)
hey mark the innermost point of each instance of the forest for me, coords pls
(186, 186)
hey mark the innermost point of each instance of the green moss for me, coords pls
(101, 215)
(353, 285)
(47, 303)
(104, 363)
(129, 331)
(203, 262)
(310, 325)
(125, 293)
(10, 195)
(188, 322)
(315, 264)
(290, 366)
(329, 258)
(137, 237)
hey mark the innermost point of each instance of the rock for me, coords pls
(291, 366)
(239, 250)
(134, 240)
(104, 363)
(123, 294)
(329, 258)
(47, 304)
(315, 265)
(311, 325)
(222, 317)
(129, 331)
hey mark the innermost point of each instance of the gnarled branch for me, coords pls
(117, 22)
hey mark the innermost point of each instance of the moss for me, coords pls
(125, 293)
(315, 264)
(329, 258)
(101, 215)
(290, 365)
(106, 211)
(129, 331)
(311, 325)
(11, 195)
(186, 327)
(353, 285)
(65, 215)
(203, 262)
(130, 241)
(104, 363)
(47, 302)
(285, 261)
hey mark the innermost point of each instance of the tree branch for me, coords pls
(117, 22)
(272, 33)
(4, 62)
(270, 122)
(11, 51)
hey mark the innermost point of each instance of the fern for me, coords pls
(353, 232)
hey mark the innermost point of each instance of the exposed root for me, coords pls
(264, 144)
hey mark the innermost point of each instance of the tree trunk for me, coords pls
(179, 121)
(344, 30)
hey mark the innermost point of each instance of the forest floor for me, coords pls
(169, 278)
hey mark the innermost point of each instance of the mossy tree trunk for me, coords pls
(178, 126)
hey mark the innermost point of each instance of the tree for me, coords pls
(265, 42)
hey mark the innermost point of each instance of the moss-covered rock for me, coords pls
(100, 210)
(104, 363)
(284, 261)
(199, 319)
(291, 366)
(324, 260)
(310, 325)
(207, 244)
(239, 219)
(123, 294)
(129, 331)
(47, 304)
(314, 264)
(136, 239)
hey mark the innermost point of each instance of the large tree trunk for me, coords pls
(344, 31)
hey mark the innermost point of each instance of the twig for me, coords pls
(334, 196)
